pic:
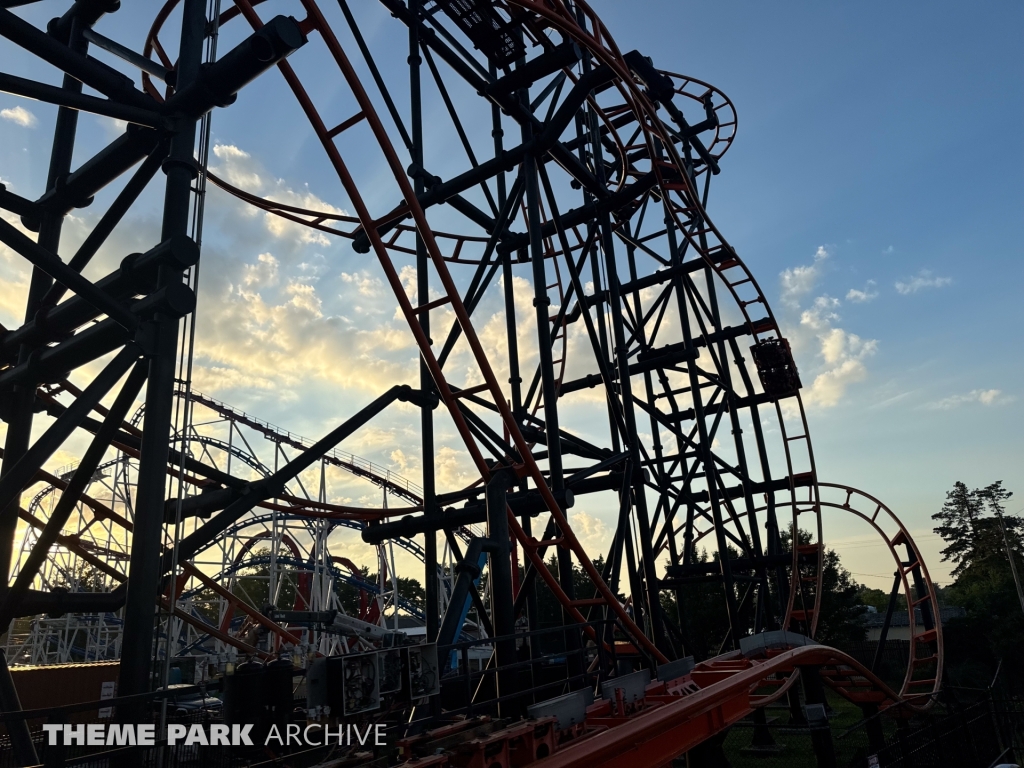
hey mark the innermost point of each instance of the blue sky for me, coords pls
(875, 189)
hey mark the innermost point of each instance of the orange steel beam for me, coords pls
(211, 630)
(255, 615)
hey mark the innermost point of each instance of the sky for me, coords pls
(874, 188)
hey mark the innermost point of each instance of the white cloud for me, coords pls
(844, 354)
(19, 116)
(592, 532)
(239, 169)
(400, 459)
(284, 340)
(263, 273)
(453, 468)
(863, 297)
(892, 400)
(799, 281)
(986, 397)
(829, 358)
(364, 282)
(15, 273)
(922, 279)
(112, 127)
(821, 313)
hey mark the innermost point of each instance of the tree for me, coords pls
(704, 621)
(82, 577)
(252, 586)
(967, 534)
(698, 610)
(408, 588)
(549, 610)
(841, 611)
(842, 614)
(348, 594)
(980, 545)
(969, 523)
(879, 599)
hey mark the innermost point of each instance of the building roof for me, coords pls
(902, 619)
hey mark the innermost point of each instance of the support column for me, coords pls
(706, 458)
(821, 733)
(515, 378)
(556, 479)
(147, 537)
(873, 728)
(884, 635)
(634, 496)
(430, 585)
(499, 580)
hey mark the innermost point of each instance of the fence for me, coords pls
(976, 736)
(550, 661)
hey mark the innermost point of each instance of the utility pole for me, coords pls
(1009, 554)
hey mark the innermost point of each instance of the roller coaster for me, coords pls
(649, 377)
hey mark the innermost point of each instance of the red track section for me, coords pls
(673, 717)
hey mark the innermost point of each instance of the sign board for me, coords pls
(107, 691)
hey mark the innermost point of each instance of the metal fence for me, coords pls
(976, 736)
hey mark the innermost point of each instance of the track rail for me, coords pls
(669, 728)
(672, 717)
(925, 661)
(380, 476)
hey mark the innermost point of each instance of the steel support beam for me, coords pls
(144, 567)
(499, 583)
(430, 581)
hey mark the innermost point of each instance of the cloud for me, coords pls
(829, 357)
(892, 400)
(19, 116)
(15, 273)
(820, 314)
(863, 297)
(286, 339)
(239, 168)
(922, 279)
(453, 469)
(364, 282)
(797, 282)
(400, 460)
(844, 354)
(592, 532)
(987, 397)
(889, 250)
(263, 273)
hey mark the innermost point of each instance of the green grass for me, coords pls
(798, 752)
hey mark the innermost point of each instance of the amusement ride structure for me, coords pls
(658, 382)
